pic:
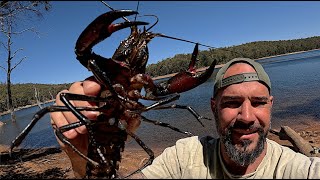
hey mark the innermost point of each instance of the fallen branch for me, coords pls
(303, 146)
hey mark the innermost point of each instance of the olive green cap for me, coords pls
(260, 75)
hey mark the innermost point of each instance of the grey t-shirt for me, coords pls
(196, 158)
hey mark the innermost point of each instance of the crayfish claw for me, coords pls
(186, 80)
(116, 14)
(116, 27)
(99, 29)
(120, 13)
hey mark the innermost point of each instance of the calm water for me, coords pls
(295, 80)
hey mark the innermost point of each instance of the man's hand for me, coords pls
(78, 137)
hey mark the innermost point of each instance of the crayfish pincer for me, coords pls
(122, 78)
(100, 29)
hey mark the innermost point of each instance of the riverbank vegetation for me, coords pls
(253, 50)
(30, 93)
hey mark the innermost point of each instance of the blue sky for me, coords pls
(51, 58)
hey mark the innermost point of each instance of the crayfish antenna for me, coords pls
(135, 17)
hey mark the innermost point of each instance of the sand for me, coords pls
(52, 163)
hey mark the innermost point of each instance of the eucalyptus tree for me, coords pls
(14, 22)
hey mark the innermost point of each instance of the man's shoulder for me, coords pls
(290, 164)
(279, 151)
(196, 141)
(273, 144)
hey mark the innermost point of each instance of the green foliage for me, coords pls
(24, 94)
(253, 50)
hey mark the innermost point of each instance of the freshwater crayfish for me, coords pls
(123, 78)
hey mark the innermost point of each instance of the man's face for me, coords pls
(242, 112)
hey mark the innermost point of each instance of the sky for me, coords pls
(50, 57)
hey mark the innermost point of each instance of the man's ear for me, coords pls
(271, 100)
(213, 104)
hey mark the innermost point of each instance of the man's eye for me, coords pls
(231, 104)
(258, 103)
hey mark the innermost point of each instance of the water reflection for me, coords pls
(41, 135)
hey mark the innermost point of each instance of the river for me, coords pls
(295, 82)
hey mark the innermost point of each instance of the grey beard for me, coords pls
(242, 156)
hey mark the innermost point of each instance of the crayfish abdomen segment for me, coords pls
(110, 142)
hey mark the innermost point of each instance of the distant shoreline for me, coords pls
(220, 65)
(169, 75)
(24, 107)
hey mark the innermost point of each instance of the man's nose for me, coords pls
(246, 112)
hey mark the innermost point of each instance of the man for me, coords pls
(241, 105)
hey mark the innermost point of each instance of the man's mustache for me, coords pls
(245, 126)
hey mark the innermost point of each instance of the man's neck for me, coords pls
(236, 169)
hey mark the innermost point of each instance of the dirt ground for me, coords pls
(52, 163)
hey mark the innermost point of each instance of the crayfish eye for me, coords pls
(126, 52)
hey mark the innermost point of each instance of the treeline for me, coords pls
(29, 93)
(24, 94)
(252, 50)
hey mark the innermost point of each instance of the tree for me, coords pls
(37, 96)
(12, 16)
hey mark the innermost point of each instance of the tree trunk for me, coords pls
(9, 102)
(36, 95)
(9, 94)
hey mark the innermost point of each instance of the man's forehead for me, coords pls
(234, 97)
(246, 90)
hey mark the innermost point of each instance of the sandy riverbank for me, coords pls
(52, 163)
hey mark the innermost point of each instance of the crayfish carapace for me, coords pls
(123, 78)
